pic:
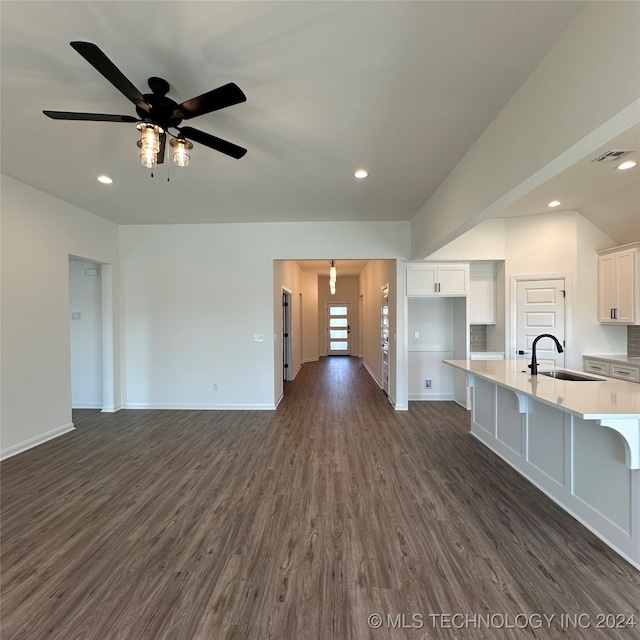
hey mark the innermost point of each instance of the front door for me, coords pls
(540, 308)
(338, 329)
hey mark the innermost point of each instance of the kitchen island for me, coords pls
(577, 441)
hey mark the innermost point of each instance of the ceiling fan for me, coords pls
(158, 113)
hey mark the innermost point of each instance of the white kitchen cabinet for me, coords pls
(430, 279)
(481, 303)
(619, 284)
(613, 366)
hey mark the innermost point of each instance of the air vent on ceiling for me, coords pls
(611, 156)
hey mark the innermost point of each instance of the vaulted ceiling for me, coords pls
(401, 88)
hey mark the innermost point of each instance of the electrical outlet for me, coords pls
(416, 334)
(427, 384)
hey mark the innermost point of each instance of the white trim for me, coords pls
(431, 396)
(373, 375)
(306, 360)
(88, 405)
(34, 442)
(201, 407)
(115, 409)
(279, 400)
(296, 372)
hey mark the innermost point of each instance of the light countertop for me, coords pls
(605, 398)
(614, 357)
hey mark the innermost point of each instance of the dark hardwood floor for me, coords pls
(295, 524)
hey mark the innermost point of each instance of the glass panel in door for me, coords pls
(338, 330)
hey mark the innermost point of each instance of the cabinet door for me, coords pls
(607, 287)
(482, 299)
(625, 267)
(421, 281)
(453, 280)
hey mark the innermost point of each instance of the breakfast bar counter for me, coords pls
(576, 440)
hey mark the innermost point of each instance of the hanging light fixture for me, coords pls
(332, 278)
(149, 143)
(181, 148)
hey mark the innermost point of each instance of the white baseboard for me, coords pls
(373, 375)
(430, 396)
(310, 360)
(112, 409)
(87, 405)
(295, 373)
(34, 442)
(279, 400)
(201, 407)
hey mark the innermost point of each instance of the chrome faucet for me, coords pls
(534, 363)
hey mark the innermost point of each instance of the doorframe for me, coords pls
(108, 341)
(568, 310)
(287, 338)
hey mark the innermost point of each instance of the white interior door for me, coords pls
(384, 337)
(540, 308)
(338, 329)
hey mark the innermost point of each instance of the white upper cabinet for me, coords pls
(431, 279)
(481, 303)
(619, 284)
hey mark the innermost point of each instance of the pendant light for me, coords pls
(332, 279)
(149, 143)
(181, 149)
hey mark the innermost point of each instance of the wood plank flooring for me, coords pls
(295, 524)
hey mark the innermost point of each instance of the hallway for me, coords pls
(294, 524)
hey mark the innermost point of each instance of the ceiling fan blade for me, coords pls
(97, 59)
(163, 143)
(212, 142)
(95, 117)
(219, 98)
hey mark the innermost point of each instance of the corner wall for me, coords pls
(39, 233)
(585, 92)
(195, 295)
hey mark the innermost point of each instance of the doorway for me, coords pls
(85, 332)
(540, 308)
(338, 329)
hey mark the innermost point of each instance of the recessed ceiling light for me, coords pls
(104, 179)
(361, 173)
(627, 164)
(554, 203)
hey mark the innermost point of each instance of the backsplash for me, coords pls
(633, 341)
(478, 337)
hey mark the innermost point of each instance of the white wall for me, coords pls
(309, 291)
(39, 233)
(195, 295)
(85, 300)
(559, 243)
(375, 275)
(584, 93)
(553, 243)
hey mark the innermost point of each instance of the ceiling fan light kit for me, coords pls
(158, 113)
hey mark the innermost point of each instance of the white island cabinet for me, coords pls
(577, 441)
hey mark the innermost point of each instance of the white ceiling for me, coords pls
(401, 88)
(609, 198)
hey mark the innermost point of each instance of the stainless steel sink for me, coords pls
(560, 374)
